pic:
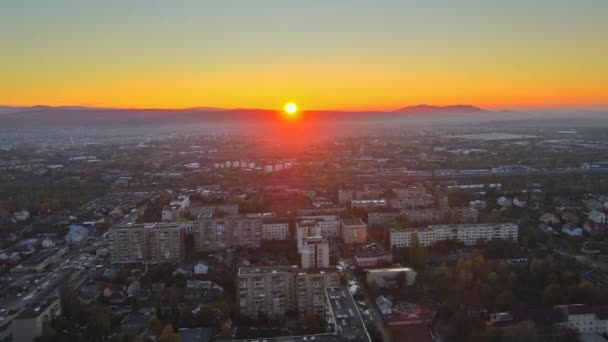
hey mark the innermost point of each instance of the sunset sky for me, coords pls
(322, 54)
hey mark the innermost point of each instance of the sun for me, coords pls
(290, 108)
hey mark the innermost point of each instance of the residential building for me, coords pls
(218, 233)
(373, 258)
(275, 228)
(354, 230)
(368, 204)
(198, 209)
(329, 224)
(343, 316)
(385, 305)
(597, 216)
(389, 277)
(382, 218)
(151, 242)
(30, 323)
(469, 234)
(315, 252)
(304, 229)
(76, 234)
(436, 215)
(275, 290)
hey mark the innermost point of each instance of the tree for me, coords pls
(100, 321)
(155, 325)
(374, 289)
(313, 324)
(168, 335)
(401, 280)
(521, 332)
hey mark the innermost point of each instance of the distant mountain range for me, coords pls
(427, 109)
(418, 109)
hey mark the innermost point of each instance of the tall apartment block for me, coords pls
(148, 242)
(314, 252)
(274, 291)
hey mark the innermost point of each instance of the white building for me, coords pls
(469, 234)
(48, 243)
(76, 235)
(329, 224)
(201, 268)
(314, 252)
(389, 277)
(304, 229)
(597, 216)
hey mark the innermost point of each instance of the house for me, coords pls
(48, 243)
(76, 235)
(519, 203)
(597, 216)
(115, 294)
(20, 216)
(8, 236)
(571, 229)
(549, 218)
(478, 204)
(201, 268)
(593, 228)
(504, 202)
(569, 216)
(593, 204)
(385, 305)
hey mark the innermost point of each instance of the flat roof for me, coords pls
(284, 269)
(35, 309)
(352, 221)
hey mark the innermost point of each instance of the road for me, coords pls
(376, 316)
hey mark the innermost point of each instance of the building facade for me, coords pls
(275, 229)
(273, 291)
(353, 230)
(315, 252)
(469, 234)
(218, 233)
(150, 242)
(30, 323)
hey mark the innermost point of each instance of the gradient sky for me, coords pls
(322, 54)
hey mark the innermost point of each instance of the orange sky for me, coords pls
(319, 54)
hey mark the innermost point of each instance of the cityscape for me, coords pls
(142, 204)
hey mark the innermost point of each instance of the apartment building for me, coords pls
(469, 234)
(305, 229)
(329, 224)
(354, 230)
(275, 290)
(389, 277)
(274, 228)
(314, 252)
(199, 209)
(30, 323)
(150, 242)
(437, 215)
(218, 233)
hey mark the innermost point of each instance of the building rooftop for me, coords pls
(35, 309)
(352, 222)
(283, 269)
(306, 338)
(390, 269)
